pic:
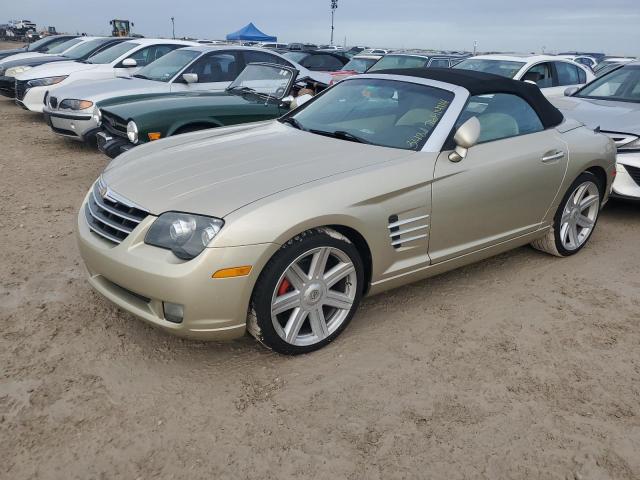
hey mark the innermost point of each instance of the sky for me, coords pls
(523, 26)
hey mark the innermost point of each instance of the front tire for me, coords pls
(575, 219)
(308, 293)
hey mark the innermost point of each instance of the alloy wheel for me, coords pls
(314, 296)
(579, 215)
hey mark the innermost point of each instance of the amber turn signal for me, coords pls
(154, 135)
(232, 272)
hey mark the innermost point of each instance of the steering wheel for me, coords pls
(280, 91)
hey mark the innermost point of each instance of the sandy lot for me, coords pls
(523, 366)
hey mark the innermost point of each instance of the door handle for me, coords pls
(552, 157)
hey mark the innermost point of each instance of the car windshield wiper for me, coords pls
(342, 135)
(144, 77)
(293, 122)
(241, 89)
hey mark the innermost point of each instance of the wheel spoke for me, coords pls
(580, 191)
(296, 276)
(338, 300)
(566, 215)
(318, 323)
(295, 322)
(337, 273)
(285, 302)
(588, 201)
(585, 222)
(573, 234)
(319, 263)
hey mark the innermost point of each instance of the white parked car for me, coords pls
(70, 108)
(123, 59)
(552, 74)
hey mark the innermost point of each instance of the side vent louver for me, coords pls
(407, 230)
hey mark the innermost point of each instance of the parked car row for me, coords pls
(245, 196)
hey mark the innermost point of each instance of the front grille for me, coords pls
(111, 216)
(114, 124)
(21, 89)
(634, 172)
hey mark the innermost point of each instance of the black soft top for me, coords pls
(480, 83)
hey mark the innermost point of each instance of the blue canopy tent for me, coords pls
(251, 33)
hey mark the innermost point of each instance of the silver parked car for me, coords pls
(279, 228)
(612, 104)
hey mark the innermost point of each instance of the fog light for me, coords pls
(173, 312)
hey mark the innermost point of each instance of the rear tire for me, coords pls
(308, 293)
(576, 218)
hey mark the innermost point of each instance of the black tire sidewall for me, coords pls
(583, 177)
(266, 284)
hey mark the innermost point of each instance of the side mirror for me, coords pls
(190, 77)
(465, 137)
(288, 100)
(129, 62)
(570, 91)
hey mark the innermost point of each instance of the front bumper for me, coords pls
(33, 99)
(78, 126)
(627, 181)
(112, 145)
(8, 86)
(139, 278)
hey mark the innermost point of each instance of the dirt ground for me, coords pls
(524, 366)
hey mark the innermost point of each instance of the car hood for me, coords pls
(215, 172)
(13, 51)
(151, 103)
(610, 116)
(55, 69)
(103, 89)
(35, 61)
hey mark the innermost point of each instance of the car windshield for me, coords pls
(64, 46)
(398, 61)
(621, 85)
(296, 56)
(504, 68)
(359, 65)
(166, 67)
(84, 48)
(110, 54)
(267, 80)
(387, 113)
(38, 43)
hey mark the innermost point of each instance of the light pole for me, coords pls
(334, 6)
(173, 27)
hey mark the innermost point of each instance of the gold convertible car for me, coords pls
(279, 228)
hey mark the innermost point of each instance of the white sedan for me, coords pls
(552, 74)
(123, 59)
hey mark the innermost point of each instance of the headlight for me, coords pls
(73, 104)
(44, 82)
(132, 131)
(97, 115)
(13, 71)
(184, 234)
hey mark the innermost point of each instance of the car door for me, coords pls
(505, 185)
(542, 74)
(215, 70)
(567, 75)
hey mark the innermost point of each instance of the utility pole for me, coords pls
(173, 27)
(334, 6)
(475, 47)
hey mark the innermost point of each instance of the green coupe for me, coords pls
(261, 92)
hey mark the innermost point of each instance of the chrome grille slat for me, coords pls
(109, 215)
(108, 222)
(399, 236)
(407, 230)
(399, 223)
(402, 241)
(104, 206)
